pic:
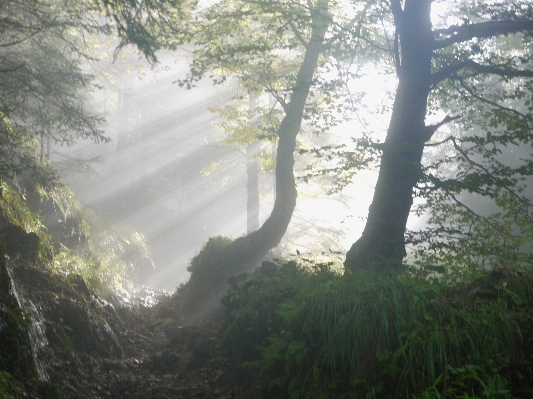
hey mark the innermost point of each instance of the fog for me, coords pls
(166, 174)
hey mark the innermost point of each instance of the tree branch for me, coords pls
(397, 13)
(449, 138)
(493, 103)
(448, 71)
(502, 71)
(463, 33)
(431, 129)
(12, 69)
(475, 164)
(476, 215)
(297, 33)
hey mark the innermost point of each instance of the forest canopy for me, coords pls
(460, 119)
(462, 103)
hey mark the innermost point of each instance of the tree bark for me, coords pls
(382, 243)
(274, 228)
(252, 187)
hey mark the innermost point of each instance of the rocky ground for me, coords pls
(83, 346)
(195, 365)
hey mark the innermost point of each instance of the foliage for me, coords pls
(16, 211)
(383, 335)
(9, 387)
(107, 261)
(477, 176)
(84, 242)
(260, 46)
(44, 88)
(48, 49)
(149, 26)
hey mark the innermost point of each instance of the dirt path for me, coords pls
(89, 348)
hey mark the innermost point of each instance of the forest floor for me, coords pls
(90, 348)
(194, 364)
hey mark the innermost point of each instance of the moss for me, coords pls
(13, 356)
(208, 260)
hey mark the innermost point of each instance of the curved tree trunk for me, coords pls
(382, 243)
(208, 283)
(252, 187)
(252, 179)
(274, 228)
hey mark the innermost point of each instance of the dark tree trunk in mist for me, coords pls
(272, 231)
(382, 242)
(252, 187)
(208, 283)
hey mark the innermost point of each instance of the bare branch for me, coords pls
(296, 33)
(463, 33)
(431, 129)
(494, 104)
(449, 138)
(475, 164)
(449, 71)
(502, 70)
(12, 69)
(475, 214)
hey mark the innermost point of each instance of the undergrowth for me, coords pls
(83, 242)
(319, 334)
(10, 388)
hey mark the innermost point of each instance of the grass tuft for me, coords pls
(383, 334)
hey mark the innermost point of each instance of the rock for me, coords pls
(20, 243)
(166, 361)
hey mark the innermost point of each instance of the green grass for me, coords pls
(386, 335)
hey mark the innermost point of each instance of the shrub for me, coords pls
(322, 335)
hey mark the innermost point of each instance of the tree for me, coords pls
(266, 46)
(244, 126)
(477, 182)
(317, 20)
(43, 86)
(43, 79)
(256, 53)
(47, 53)
(428, 62)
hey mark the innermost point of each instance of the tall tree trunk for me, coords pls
(252, 178)
(208, 280)
(252, 187)
(272, 231)
(382, 242)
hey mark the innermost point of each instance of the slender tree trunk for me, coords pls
(274, 228)
(209, 282)
(252, 179)
(252, 187)
(382, 242)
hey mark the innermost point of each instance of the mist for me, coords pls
(166, 174)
